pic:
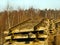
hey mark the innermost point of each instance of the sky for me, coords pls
(26, 4)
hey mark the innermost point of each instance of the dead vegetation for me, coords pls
(16, 17)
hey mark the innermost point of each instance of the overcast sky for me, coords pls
(25, 4)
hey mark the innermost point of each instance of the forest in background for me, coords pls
(15, 17)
